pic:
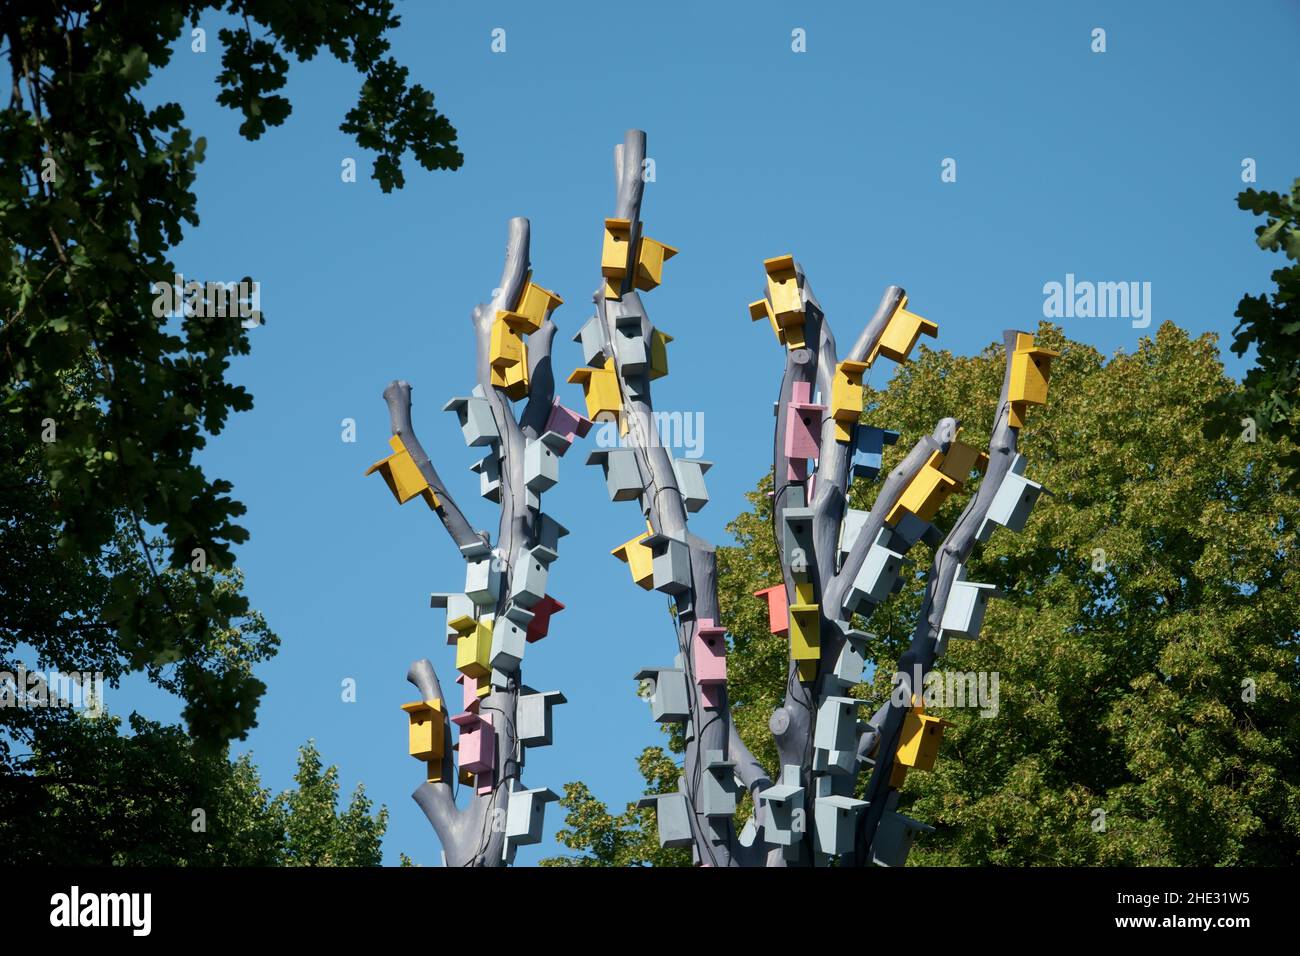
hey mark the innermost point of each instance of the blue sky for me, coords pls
(1115, 166)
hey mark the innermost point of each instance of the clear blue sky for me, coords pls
(1120, 166)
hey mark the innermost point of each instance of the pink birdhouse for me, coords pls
(710, 652)
(803, 430)
(477, 743)
(469, 698)
(567, 423)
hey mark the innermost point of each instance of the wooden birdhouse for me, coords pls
(474, 648)
(803, 435)
(850, 663)
(622, 467)
(427, 726)
(894, 837)
(925, 493)
(877, 575)
(476, 421)
(549, 533)
(592, 340)
(667, 691)
(630, 345)
(535, 303)
(961, 459)
(483, 580)
(476, 743)
(543, 610)
(672, 818)
(672, 563)
(403, 476)
(901, 333)
(805, 637)
(600, 389)
(690, 482)
(639, 559)
(778, 607)
(509, 638)
(717, 786)
(659, 353)
(525, 813)
(783, 292)
(566, 423)
(846, 398)
(785, 806)
(709, 654)
(528, 579)
(488, 469)
(1031, 369)
(868, 445)
(542, 461)
(835, 821)
(967, 601)
(533, 721)
(919, 740)
(651, 254)
(614, 255)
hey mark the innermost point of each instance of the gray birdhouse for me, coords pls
(835, 741)
(592, 342)
(878, 573)
(836, 819)
(458, 604)
(525, 813)
(672, 818)
(528, 578)
(850, 662)
(549, 533)
(717, 791)
(894, 836)
(630, 344)
(911, 529)
(967, 602)
(854, 520)
(533, 722)
(672, 563)
(690, 482)
(508, 642)
(476, 421)
(622, 472)
(483, 580)
(668, 693)
(785, 809)
(796, 536)
(1015, 498)
(488, 470)
(542, 461)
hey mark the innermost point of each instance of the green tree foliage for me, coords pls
(1146, 650)
(1271, 393)
(154, 797)
(105, 403)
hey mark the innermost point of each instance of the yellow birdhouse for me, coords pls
(783, 290)
(918, 742)
(600, 388)
(531, 310)
(513, 380)
(846, 398)
(403, 476)
(614, 255)
(474, 649)
(639, 559)
(925, 494)
(659, 353)
(505, 345)
(1031, 368)
(961, 460)
(651, 254)
(901, 333)
(791, 337)
(805, 632)
(428, 721)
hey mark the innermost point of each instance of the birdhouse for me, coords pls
(476, 743)
(622, 469)
(835, 819)
(918, 741)
(911, 529)
(483, 580)
(533, 722)
(474, 648)
(549, 533)
(690, 482)
(615, 252)
(717, 786)
(961, 459)
(783, 292)
(967, 602)
(566, 423)
(592, 340)
(709, 650)
(403, 475)
(535, 303)
(600, 388)
(1031, 369)
(527, 579)
(659, 353)
(877, 575)
(525, 812)
(868, 444)
(540, 625)
(667, 691)
(850, 664)
(428, 722)
(846, 398)
(672, 818)
(901, 333)
(512, 380)
(803, 428)
(778, 608)
(672, 563)
(508, 642)
(1014, 499)
(651, 254)
(805, 632)
(542, 461)
(894, 837)
(925, 493)
(476, 421)
(796, 538)
(783, 801)
(458, 605)
(488, 469)
(837, 723)
(762, 309)
(639, 559)
(630, 345)
(850, 527)
(505, 346)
